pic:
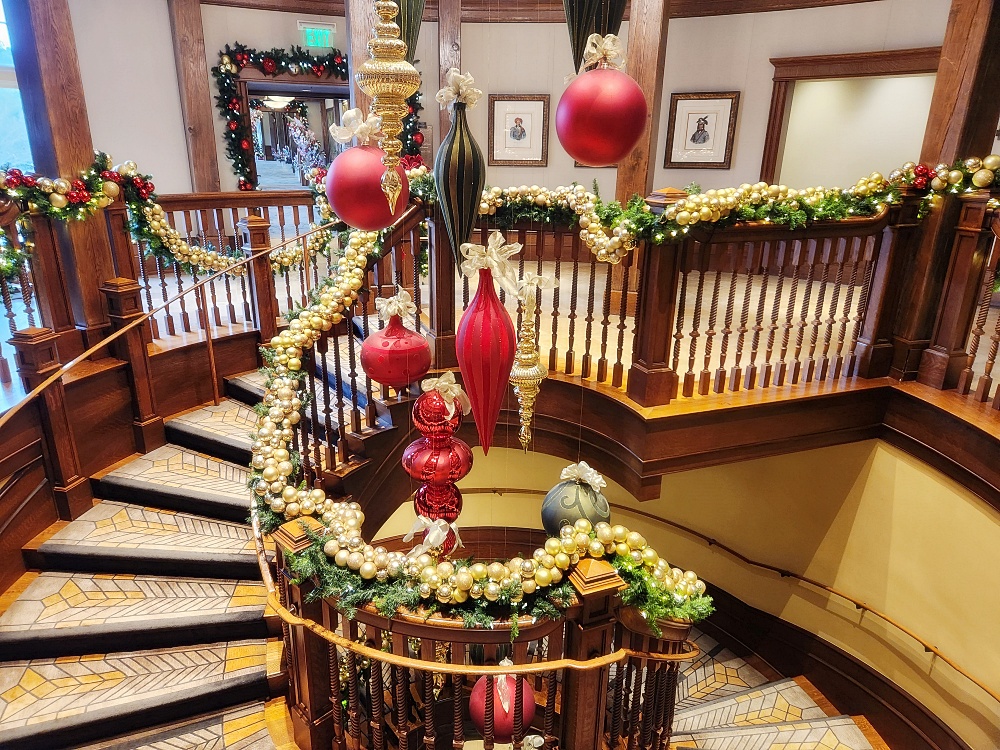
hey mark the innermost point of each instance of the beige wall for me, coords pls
(864, 518)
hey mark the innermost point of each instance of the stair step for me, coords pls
(181, 479)
(61, 614)
(117, 537)
(830, 733)
(773, 703)
(714, 677)
(53, 703)
(241, 728)
(222, 431)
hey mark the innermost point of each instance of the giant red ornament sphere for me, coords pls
(503, 721)
(395, 356)
(600, 117)
(354, 189)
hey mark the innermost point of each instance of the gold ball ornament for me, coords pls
(992, 162)
(983, 178)
(58, 200)
(111, 189)
(955, 176)
(61, 185)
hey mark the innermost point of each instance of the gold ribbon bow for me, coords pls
(437, 532)
(607, 48)
(355, 125)
(458, 88)
(496, 257)
(401, 304)
(450, 391)
(527, 285)
(584, 474)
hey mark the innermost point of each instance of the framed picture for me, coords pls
(519, 130)
(578, 165)
(701, 130)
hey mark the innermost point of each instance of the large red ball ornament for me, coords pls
(395, 356)
(354, 189)
(600, 117)
(503, 721)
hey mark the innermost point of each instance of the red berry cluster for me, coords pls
(15, 178)
(245, 184)
(112, 176)
(78, 192)
(269, 65)
(144, 187)
(242, 59)
(922, 176)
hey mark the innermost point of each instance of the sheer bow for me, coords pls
(584, 474)
(496, 257)
(355, 125)
(458, 88)
(401, 304)
(437, 532)
(607, 48)
(450, 391)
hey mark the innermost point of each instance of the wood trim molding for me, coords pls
(312, 7)
(787, 70)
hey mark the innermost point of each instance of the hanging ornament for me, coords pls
(528, 371)
(580, 15)
(395, 356)
(485, 340)
(577, 496)
(411, 13)
(389, 80)
(354, 182)
(504, 694)
(459, 167)
(438, 460)
(602, 113)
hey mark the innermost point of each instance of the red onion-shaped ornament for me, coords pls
(503, 721)
(354, 189)
(485, 344)
(600, 117)
(395, 356)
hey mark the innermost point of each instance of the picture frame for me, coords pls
(701, 130)
(519, 130)
(578, 165)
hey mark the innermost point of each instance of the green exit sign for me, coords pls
(318, 35)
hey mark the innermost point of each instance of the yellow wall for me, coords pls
(865, 518)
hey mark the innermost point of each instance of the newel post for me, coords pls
(37, 359)
(585, 692)
(651, 381)
(124, 306)
(942, 362)
(442, 268)
(255, 235)
(306, 656)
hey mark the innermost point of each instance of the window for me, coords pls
(14, 148)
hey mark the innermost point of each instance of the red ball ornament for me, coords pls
(29, 180)
(233, 125)
(245, 144)
(418, 138)
(269, 65)
(600, 117)
(395, 356)
(920, 183)
(921, 170)
(503, 721)
(354, 189)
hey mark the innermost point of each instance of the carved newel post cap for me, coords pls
(663, 197)
(592, 577)
(291, 536)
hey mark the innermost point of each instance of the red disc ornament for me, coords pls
(354, 189)
(395, 356)
(485, 345)
(600, 117)
(503, 720)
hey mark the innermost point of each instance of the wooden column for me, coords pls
(188, 35)
(962, 122)
(651, 382)
(55, 110)
(644, 60)
(944, 360)
(449, 51)
(585, 693)
(360, 22)
(37, 359)
(51, 289)
(256, 236)
(442, 301)
(124, 306)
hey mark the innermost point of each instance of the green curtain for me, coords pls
(411, 12)
(580, 15)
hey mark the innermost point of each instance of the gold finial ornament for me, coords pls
(389, 80)
(528, 371)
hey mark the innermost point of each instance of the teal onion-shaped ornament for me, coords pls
(570, 501)
(459, 175)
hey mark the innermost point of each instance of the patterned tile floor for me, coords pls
(65, 600)
(768, 704)
(229, 422)
(716, 672)
(46, 690)
(834, 733)
(174, 466)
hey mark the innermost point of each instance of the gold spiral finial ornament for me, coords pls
(389, 80)
(527, 373)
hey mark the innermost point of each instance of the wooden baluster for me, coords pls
(861, 316)
(985, 384)
(539, 238)
(549, 738)
(313, 429)
(585, 365)
(602, 363)
(377, 697)
(488, 718)
(165, 295)
(338, 394)
(818, 311)
(966, 376)
(750, 381)
(648, 706)
(154, 325)
(736, 375)
(8, 305)
(415, 254)
(727, 330)
(185, 320)
(772, 327)
(557, 243)
(704, 382)
(831, 318)
(700, 253)
(353, 702)
(247, 308)
(617, 695)
(619, 368)
(328, 461)
(780, 372)
(371, 412)
(678, 336)
(27, 292)
(670, 703)
(336, 701)
(441, 333)
(201, 316)
(659, 705)
(845, 318)
(633, 713)
(518, 731)
(430, 737)
(458, 714)
(352, 362)
(575, 254)
(804, 313)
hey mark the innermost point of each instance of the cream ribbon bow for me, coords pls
(401, 304)
(503, 687)
(607, 48)
(450, 391)
(437, 531)
(495, 256)
(584, 474)
(532, 741)
(527, 285)
(458, 88)
(355, 125)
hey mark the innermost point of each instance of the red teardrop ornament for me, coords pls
(485, 344)
(395, 356)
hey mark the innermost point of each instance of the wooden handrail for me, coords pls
(238, 199)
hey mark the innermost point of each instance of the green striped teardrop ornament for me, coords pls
(460, 175)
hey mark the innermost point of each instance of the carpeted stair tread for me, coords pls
(222, 431)
(64, 702)
(60, 614)
(713, 675)
(830, 733)
(117, 537)
(181, 479)
(240, 728)
(773, 703)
